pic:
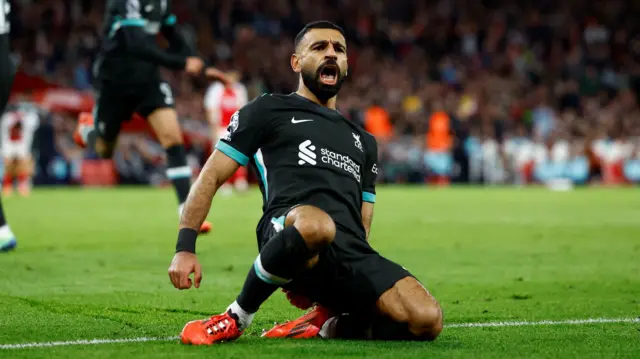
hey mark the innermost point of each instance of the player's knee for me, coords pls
(165, 124)
(169, 139)
(318, 231)
(425, 323)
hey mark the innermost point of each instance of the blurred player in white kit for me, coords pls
(17, 128)
(221, 103)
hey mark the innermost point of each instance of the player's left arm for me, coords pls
(369, 178)
(177, 42)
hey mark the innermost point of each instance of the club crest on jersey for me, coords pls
(233, 126)
(357, 143)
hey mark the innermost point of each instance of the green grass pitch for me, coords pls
(92, 264)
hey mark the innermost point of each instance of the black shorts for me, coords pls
(116, 104)
(350, 275)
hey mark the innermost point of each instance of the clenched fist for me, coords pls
(194, 65)
(182, 265)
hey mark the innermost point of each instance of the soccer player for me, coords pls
(7, 74)
(221, 102)
(17, 128)
(318, 173)
(128, 80)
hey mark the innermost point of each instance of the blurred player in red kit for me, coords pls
(17, 129)
(221, 102)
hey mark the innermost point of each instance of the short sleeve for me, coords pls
(245, 133)
(169, 18)
(370, 174)
(126, 13)
(126, 9)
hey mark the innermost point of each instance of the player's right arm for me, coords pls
(128, 29)
(216, 171)
(245, 135)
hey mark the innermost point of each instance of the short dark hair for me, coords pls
(316, 25)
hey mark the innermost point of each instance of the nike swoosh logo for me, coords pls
(293, 120)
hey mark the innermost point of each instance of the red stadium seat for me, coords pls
(98, 173)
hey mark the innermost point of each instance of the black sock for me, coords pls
(254, 292)
(178, 171)
(282, 258)
(3, 221)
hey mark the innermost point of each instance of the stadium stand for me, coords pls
(469, 92)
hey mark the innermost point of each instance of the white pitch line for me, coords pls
(545, 322)
(86, 342)
(453, 325)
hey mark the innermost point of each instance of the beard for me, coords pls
(323, 92)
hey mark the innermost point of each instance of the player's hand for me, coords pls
(298, 301)
(182, 265)
(193, 65)
(214, 74)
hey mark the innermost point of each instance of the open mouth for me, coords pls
(329, 74)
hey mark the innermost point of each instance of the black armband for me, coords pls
(187, 240)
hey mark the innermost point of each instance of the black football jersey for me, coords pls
(305, 153)
(129, 50)
(7, 65)
(5, 28)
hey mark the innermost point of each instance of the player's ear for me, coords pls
(295, 63)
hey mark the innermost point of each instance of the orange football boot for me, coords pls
(219, 328)
(307, 326)
(85, 123)
(205, 227)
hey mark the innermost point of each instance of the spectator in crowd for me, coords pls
(482, 91)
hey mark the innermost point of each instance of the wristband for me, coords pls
(187, 240)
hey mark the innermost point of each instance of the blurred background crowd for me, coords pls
(491, 91)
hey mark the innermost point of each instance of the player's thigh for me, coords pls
(278, 219)
(9, 162)
(367, 274)
(157, 105)
(408, 301)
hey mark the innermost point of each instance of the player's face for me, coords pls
(322, 62)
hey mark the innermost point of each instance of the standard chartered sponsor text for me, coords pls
(341, 161)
